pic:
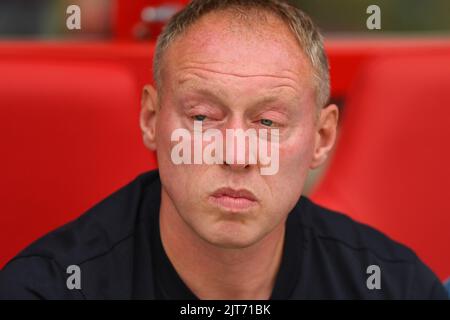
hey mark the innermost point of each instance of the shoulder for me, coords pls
(354, 249)
(332, 226)
(106, 228)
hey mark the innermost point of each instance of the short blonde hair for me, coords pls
(300, 23)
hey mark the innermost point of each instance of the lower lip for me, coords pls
(233, 204)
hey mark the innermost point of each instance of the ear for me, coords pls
(148, 117)
(326, 131)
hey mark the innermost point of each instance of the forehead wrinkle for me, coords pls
(271, 92)
(261, 102)
(198, 70)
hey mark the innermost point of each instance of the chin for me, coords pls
(231, 237)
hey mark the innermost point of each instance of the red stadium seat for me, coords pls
(70, 136)
(391, 167)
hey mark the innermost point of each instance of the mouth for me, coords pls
(233, 200)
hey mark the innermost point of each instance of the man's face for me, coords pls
(236, 76)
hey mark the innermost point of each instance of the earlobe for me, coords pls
(148, 116)
(326, 132)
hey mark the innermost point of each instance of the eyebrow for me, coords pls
(218, 95)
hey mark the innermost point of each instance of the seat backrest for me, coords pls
(391, 167)
(69, 136)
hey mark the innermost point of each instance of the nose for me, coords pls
(240, 145)
(235, 166)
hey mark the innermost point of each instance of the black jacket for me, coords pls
(117, 247)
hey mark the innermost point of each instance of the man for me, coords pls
(231, 223)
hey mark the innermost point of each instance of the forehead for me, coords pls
(258, 47)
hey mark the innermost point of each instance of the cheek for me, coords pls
(168, 170)
(178, 178)
(295, 158)
(296, 152)
(167, 123)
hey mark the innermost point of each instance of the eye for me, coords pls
(266, 122)
(199, 117)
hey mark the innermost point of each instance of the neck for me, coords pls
(212, 272)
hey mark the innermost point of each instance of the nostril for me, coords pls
(236, 165)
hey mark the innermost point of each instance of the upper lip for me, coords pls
(235, 193)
